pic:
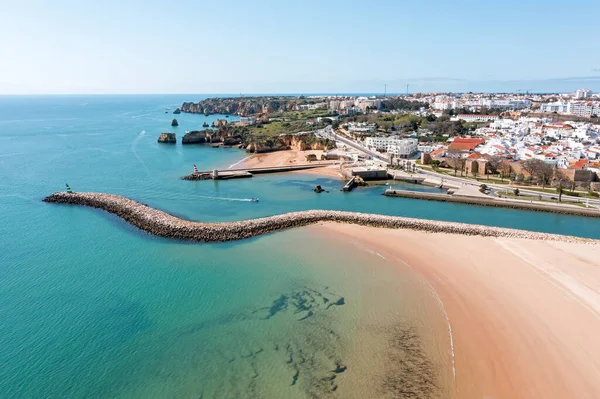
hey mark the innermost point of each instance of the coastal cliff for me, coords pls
(302, 142)
(257, 144)
(169, 138)
(244, 106)
(212, 136)
(159, 223)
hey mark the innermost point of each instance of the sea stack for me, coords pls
(174, 122)
(177, 111)
(169, 138)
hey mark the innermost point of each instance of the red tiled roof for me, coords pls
(579, 164)
(465, 143)
(439, 151)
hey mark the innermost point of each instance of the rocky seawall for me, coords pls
(159, 223)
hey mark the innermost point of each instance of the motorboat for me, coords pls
(255, 199)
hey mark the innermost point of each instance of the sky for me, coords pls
(308, 46)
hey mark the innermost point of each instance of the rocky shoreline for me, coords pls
(159, 223)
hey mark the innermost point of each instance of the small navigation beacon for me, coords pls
(69, 189)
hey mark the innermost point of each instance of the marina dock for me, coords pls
(225, 174)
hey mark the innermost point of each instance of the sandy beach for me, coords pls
(291, 157)
(524, 315)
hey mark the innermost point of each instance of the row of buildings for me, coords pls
(568, 145)
(573, 107)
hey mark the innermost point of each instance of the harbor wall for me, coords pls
(561, 209)
(159, 223)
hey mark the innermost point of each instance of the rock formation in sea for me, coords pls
(170, 138)
(177, 111)
(174, 122)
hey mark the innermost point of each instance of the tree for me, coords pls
(456, 160)
(516, 191)
(532, 166)
(495, 163)
(520, 178)
(506, 171)
(536, 168)
(545, 173)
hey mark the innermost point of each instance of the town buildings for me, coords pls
(402, 148)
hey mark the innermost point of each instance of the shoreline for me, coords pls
(159, 223)
(521, 314)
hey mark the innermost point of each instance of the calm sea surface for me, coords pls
(91, 307)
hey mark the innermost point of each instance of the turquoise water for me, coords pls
(91, 307)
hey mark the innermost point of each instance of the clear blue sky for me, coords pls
(256, 46)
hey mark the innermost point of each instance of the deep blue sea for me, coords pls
(90, 307)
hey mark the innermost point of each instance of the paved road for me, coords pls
(328, 132)
(499, 189)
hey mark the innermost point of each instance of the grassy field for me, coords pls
(273, 129)
(298, 115)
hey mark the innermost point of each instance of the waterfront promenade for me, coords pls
(565, 209)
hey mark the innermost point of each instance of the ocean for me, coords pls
(93, 308)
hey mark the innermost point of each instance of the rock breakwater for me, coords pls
(159, 223)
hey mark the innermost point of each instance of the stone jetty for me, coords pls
(159, 223)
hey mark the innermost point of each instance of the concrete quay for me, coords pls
(159, 223)
(224, 174)
(497, 202)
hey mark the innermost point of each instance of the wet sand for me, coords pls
(524, 315)
(290, 157)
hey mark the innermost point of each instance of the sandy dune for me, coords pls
(524, 314)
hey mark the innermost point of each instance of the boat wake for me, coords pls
(238, 162)
(139, 116)
(134, 151)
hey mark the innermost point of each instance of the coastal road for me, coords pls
(329, 133)
(499, 189)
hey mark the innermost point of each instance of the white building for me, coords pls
(584, 108)
(558, 106)
(427, 148)
(392, 145)
(475, 117)
(402, 148)
(362, 127)
(582, 93)
(506, 104)
(247, 120)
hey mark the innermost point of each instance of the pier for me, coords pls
(225, 174)
(159, 223)
(350, 184)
